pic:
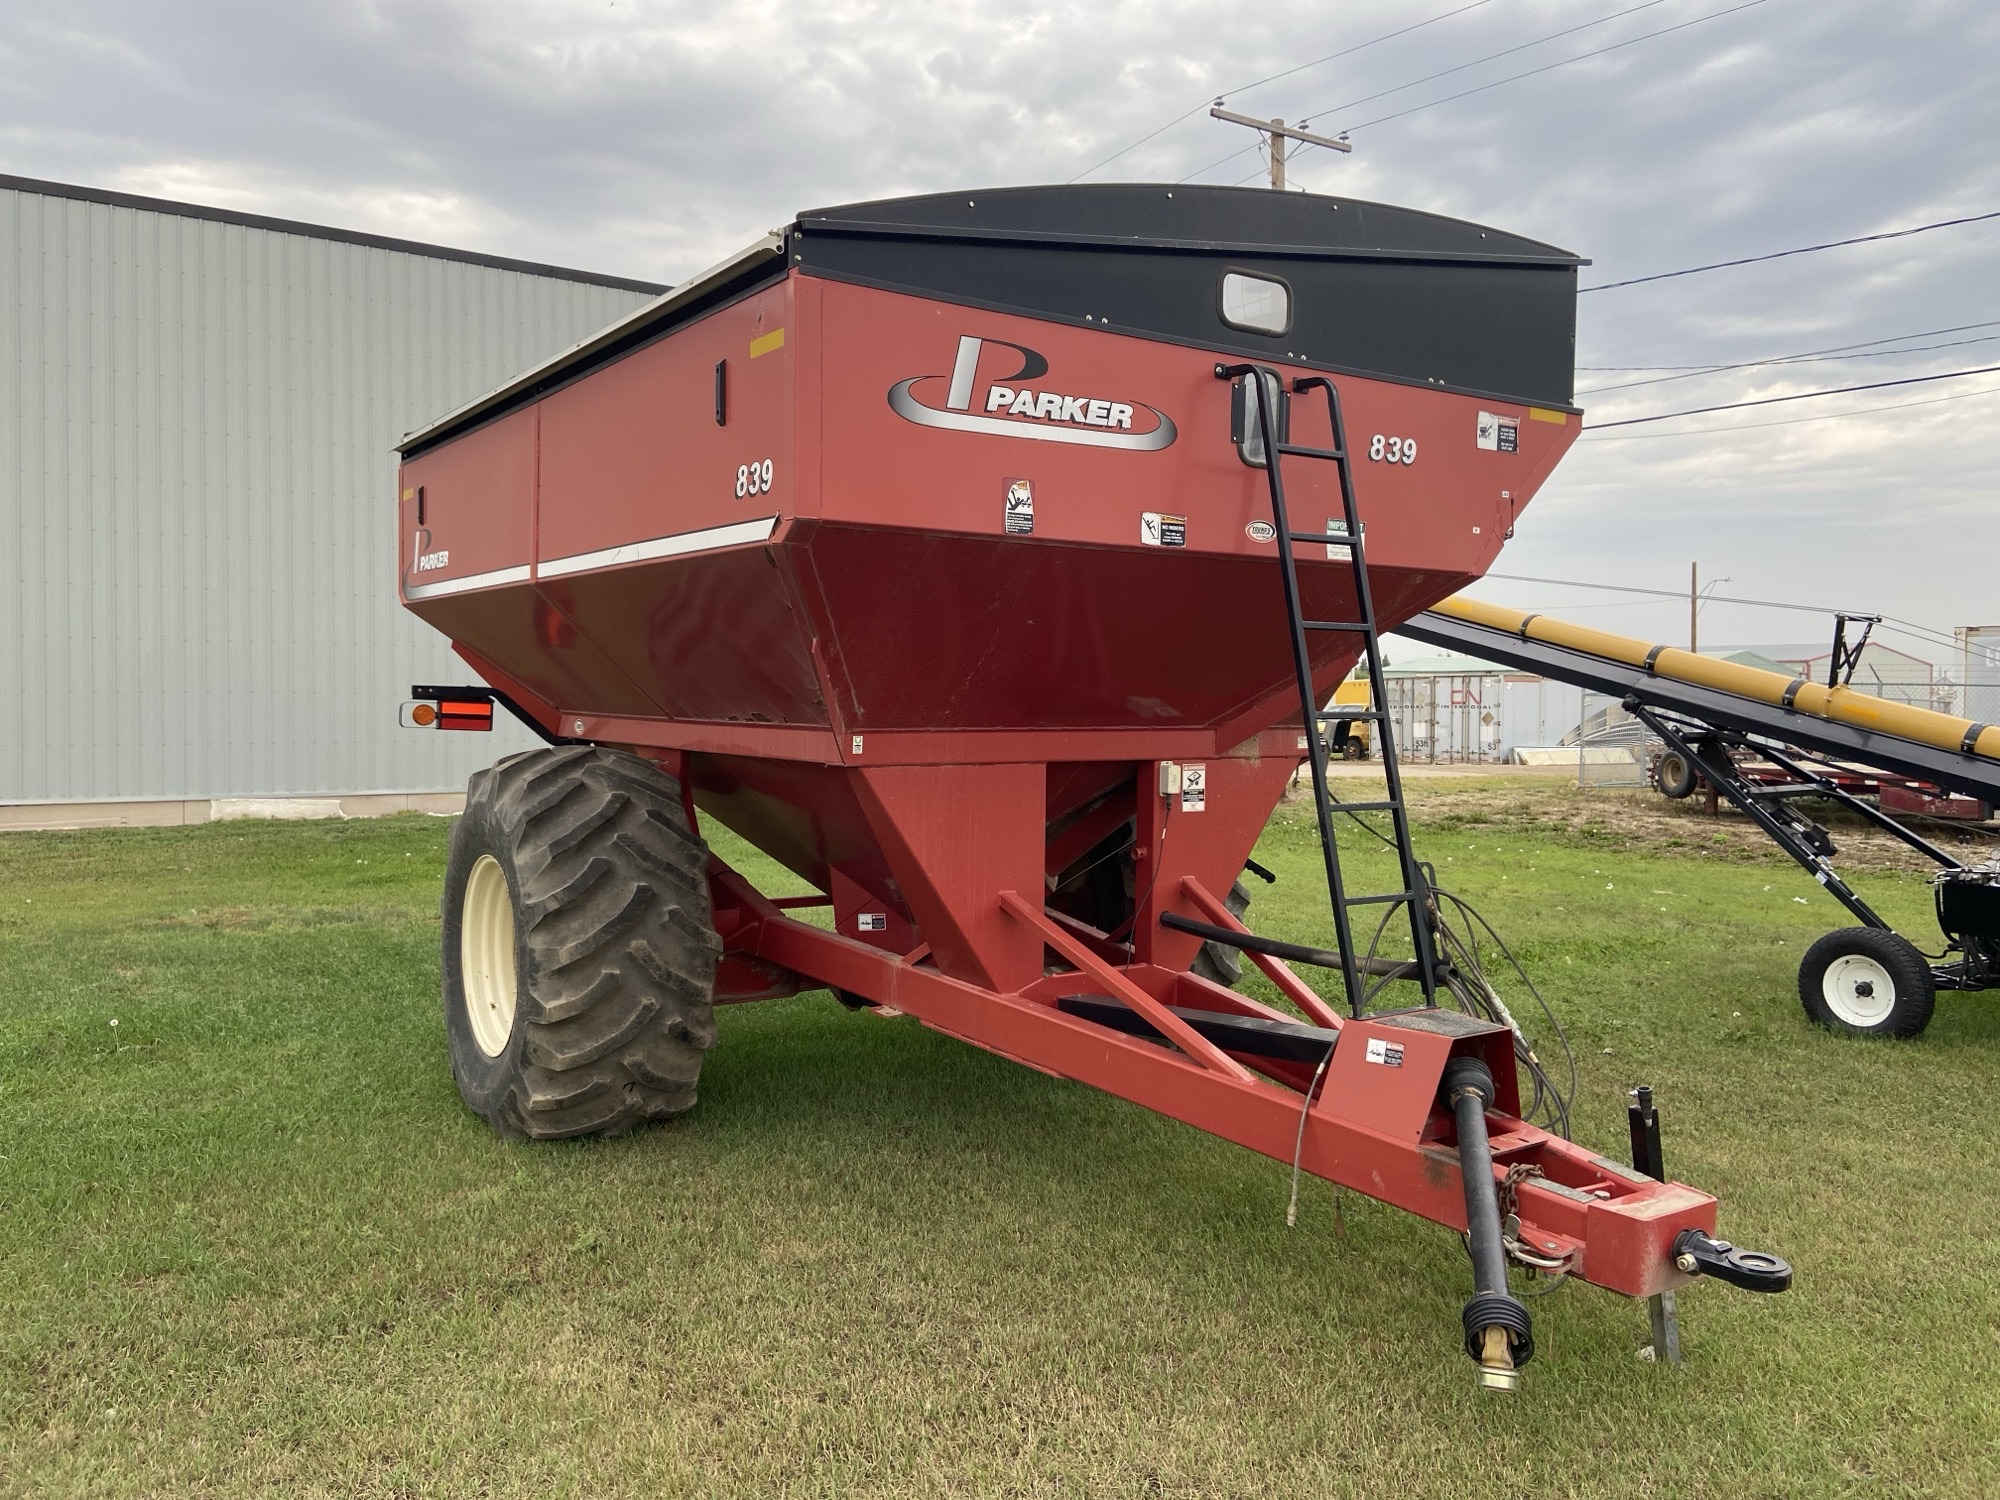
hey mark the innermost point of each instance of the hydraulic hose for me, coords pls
(1498, 1334)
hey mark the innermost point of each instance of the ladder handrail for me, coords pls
(1270, 389)
(1392, 770)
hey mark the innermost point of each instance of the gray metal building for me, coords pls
(197, 491)
(1979, 672)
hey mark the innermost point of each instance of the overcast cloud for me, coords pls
(648, 139)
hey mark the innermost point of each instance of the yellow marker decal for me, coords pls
(1537, 414)
(409, 494)
(765, 343)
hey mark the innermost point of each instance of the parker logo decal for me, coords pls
(425, 562)
(1016, 404)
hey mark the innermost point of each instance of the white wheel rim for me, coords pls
(486, 955)
(1858, 990)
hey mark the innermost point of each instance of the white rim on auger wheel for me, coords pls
(486, 955)
(1858, 990)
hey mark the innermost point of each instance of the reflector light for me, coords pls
(453, 714)
(450, 708)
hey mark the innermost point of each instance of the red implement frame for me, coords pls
(999, 963)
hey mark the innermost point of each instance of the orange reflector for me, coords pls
(423, 714)
(463, 715)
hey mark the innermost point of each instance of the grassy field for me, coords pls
(250, 1242)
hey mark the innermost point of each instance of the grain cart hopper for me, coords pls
(943, 548)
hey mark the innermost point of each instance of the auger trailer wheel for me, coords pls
(579, 945)
(1677, 776)
(1867, 982)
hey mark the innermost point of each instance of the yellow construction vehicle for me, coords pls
(1353, 739)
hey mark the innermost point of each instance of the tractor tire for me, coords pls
(1867, 982)
(579, 945)
(1218, 962)
(1677, 776)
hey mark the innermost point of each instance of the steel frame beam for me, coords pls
(1378, 1129)
(1722, 774)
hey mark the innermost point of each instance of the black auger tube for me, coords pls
(1498, 1335)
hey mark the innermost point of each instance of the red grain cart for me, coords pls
(921, 545)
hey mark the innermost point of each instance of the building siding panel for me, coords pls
(197, 497)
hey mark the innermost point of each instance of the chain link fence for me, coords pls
(1613, 749)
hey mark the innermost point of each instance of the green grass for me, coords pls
(250, 1242)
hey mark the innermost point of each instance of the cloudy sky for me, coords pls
(648, 138)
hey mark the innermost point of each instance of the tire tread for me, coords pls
(1916, 990)
(618, 941)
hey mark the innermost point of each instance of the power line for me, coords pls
(1920, 632)
(1845, 390)
(1630, 369)
(1751, 260)
(1302, 67)
(1831, 349)
(1904, 627)
(1550, 67)
(1314, 114)
(1811, 356)
(1680, 594)
(1832, 416)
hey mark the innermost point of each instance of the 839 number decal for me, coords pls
(753, 479)
(1392, 450)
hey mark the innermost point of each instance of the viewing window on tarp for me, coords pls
(1258, 304)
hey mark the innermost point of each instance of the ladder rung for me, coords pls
(1292, 545)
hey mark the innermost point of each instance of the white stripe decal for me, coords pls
(733, 535)
(470, 581)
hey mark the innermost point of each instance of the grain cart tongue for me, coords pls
(982, 558)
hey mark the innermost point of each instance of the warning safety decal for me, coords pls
(1498, 434)
(1020, 508)
(1194, 788)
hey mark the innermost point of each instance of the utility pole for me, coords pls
(1276, 133)
(1694, 602)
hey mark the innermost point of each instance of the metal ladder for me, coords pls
(1270, 403)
